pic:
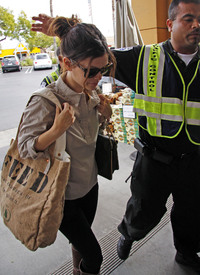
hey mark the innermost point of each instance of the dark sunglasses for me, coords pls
(94, 71)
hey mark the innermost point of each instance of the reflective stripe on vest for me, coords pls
(48, 80)
(52, 77)
(193, 113)
(192, 108)
(55, 75)
(153, 106)
(154, 61)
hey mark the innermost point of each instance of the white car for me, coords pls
(42, 61)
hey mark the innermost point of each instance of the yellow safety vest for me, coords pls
(158, 108)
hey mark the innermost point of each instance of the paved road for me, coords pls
(15, 90)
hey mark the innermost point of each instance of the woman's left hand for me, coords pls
(104, 107)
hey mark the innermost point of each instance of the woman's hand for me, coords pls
(104, 107)
(44, 25)
(63, 120)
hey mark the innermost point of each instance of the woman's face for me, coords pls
(75, 76)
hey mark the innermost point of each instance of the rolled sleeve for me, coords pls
(38, 117)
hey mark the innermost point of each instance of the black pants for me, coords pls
(151, 184)
(76, 226)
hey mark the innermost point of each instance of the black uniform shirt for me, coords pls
(126, 72)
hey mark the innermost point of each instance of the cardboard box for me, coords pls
(125, 128)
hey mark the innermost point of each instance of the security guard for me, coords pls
(166, 78)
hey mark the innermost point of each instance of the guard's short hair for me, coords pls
(173, 8)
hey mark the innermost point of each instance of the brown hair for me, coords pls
(80, 40)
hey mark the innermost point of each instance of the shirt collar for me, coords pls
(74, 98)
(168, 46)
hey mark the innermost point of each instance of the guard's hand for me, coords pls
(104, 107)
(44, 25)
(63, 119)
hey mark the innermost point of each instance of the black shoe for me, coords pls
(190, 260)
(123, 248)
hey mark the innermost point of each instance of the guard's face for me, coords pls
(185, 29)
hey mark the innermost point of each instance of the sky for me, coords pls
(101, 10)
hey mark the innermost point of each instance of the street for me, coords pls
(15, 90)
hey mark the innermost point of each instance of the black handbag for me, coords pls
(106, 155)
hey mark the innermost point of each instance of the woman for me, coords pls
(86, 58)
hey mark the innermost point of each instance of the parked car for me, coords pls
(42, 61)
(10, 63)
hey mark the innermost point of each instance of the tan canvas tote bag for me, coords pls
(32, 191)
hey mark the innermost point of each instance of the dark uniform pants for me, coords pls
(151, 184)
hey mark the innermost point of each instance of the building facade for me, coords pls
(21, 51)
(151, 16)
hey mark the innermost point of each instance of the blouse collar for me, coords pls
(72, 97)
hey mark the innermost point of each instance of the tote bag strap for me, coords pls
(60, 144)
(48, 94)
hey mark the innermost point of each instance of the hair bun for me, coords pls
(61, 25)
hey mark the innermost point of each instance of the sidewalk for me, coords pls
(153, 255)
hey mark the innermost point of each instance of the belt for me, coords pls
(158, 155)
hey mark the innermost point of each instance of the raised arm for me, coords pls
(44, 24)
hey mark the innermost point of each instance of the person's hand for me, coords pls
(63, 119)
(104, 107)
(44, 25)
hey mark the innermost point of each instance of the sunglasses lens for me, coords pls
(95, 71)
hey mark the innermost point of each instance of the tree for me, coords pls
(7, 23)
(20, 29)
(40, 40)
(23, 27)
